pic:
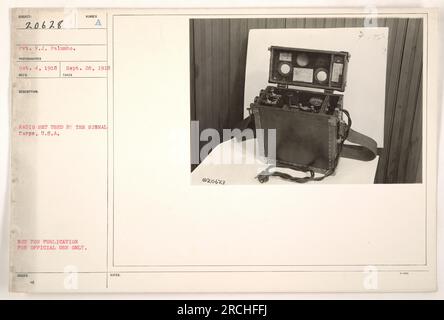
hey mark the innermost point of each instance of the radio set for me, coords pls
(311, 126)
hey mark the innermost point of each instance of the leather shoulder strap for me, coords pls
(365, 149)
(247, 123)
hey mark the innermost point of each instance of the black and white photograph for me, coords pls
(241, 152)
(294, 100)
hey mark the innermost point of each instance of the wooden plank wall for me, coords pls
(218, 58)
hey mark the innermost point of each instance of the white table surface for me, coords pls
(235, 163)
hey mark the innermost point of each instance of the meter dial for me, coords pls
(284, 69)
(302, 59)
(321, 75)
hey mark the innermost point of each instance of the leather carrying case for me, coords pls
(311, 124)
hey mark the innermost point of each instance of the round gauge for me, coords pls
(321, 75)
(284, 69)
(302, 60)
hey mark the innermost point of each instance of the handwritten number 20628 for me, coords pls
(44, 25)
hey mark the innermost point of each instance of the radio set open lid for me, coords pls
(308, 68)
